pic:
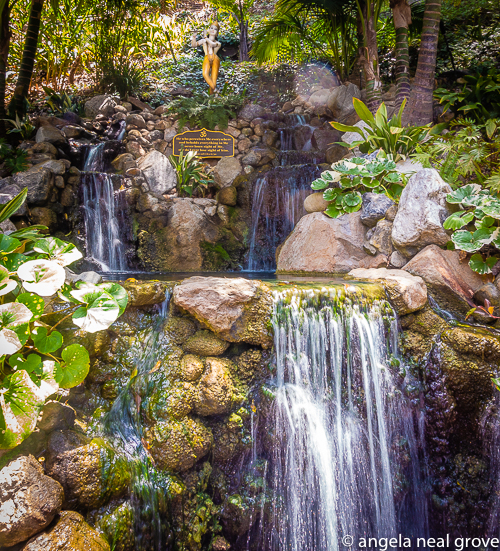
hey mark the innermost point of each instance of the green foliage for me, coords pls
(204, 111)
(60, 102)
(345, 184)
(390, 136)
(34, 363)
(468, 150)
(124, 78)
(23, 127)
(480, 212)
(191, 175)
(15, 160)
(478, 99)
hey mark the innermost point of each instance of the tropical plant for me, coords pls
(390, 136)
(479, 97)
(207, 111)
(191, 175)
(21, 126)
(34, 363)
(60, 102)
(468, 151)
(15, 160)
(479, 209)
(346, 183)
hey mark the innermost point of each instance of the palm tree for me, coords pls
(19, 100)
(401, 11)
(5, 34)
(421, 100)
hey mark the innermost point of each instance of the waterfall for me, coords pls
(345, 461)
(103, 213)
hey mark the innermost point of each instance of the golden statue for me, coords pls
(211, 62)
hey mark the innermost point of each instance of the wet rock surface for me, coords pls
(29, 500)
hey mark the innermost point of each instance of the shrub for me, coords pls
(345, 184)
(34, 363)
(191, 175)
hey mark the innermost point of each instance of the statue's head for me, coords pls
(213, 30)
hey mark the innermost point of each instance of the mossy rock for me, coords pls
(179, 329)
(145, 293)
(251, 364)
(168, 401)
(117, 528)
(205, 343)
(475, 341)
(420, 328)
(228, 438)
(191, 368)
(216, 392)
(178, 445)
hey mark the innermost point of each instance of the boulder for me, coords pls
(374, 207)
(100, 105)
(29, 500)
(50, 134)
(380, 238)
(7, 226)
(73, 132)
(145, 293)
(159, 173)
(258, 156)
(56, 167)
(226, 171)
(192, 368)
(44, 217)
(228, 196)
(178, 445)
(406, 292)
(319, 99)
(136, 120)
(325, 137)
(302, 135)
(315, 203)
(69, 533)
(89, 473)
(235, 309)
(350, 137)
(179, 329)
(215, 390)
(397, 260)
(179, 247)
(340, 99)
(8, 190)
(335, 153)
(450, 281)
(39, 181)
(205, 343)
(252, 111)
(320, 244)
(421, 213)
(56, 416)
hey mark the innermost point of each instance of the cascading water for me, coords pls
(104, 214)
(278, 204)
(345, 459)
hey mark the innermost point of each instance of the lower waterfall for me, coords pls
(346, 453)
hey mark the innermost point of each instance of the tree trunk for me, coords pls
(243, 51)
(5, 35)
(421, 100)
(402, 19)
(368, 56)
(21, 91)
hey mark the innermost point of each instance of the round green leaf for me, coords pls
(74, 367)
(333, 211)
(352, 199)
(482, 266)
(319, 184)
(31, 364)
(465, 241)
(331, 194)
(13, 261)
(46, 343)
(100, 312)
(117, 292)
(458, 220)
(8, 244)
(35, 303)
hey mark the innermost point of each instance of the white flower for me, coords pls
(43, 277)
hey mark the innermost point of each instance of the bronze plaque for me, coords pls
(208, 143)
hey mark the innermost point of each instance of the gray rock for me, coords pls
(350, 137)
(136, 120)
(100, 105)
(159, 173)
(49, 134)
(226, 171)
(39, 181)
(421, 213)
(7, 227)
(340, 100)
(397, 260)
(56, 167)
(29, 500)
(73, 132)
(488, 292)
(375, 205)
(315, 203)
(258, 156)
(252, 111)
(335, 153)
(325, 137)
(381, 238)
(56, 416)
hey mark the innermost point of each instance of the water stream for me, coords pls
(346, 456)
(104, 214)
